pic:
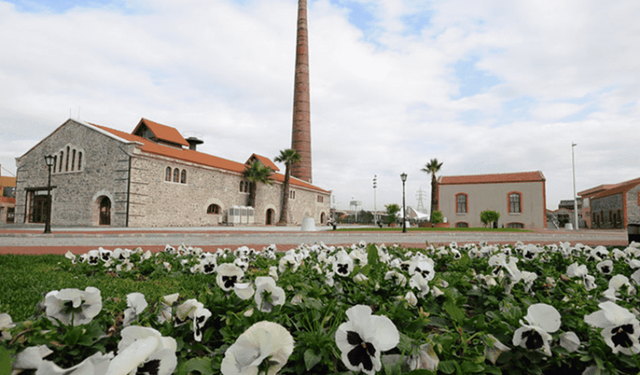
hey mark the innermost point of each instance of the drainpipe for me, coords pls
(126, 223)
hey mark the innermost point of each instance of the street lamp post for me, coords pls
(575, 199)
(403, 176)
(375, 212)
(47, 225)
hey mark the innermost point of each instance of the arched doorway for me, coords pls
(105, 211)
(270, 216)
(322, 218)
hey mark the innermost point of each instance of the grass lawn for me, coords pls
(427, 229)
(27, 278)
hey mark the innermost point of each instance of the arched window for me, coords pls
(176, 175)
(461, 203)
(515, 225)
(515, 205)
(61, 159)
(462, 224)
(55, 159)
(73, 160)
(183, 177)
(167, 174)
(213, 209)
(66, 163)
(242, 186)
(79, 160)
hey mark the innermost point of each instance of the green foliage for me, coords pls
(392, 213)
(457, 324)
(489, 217)
(437, 217)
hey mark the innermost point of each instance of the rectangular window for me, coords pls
(320, 199)
(461, 200)
(514, 203)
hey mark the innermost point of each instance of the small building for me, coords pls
(519, 198)
(152, 177)
(7, 199)
(612, 206)
(565, 215)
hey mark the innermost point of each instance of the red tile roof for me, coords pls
(162, 132)
(265, 161)
(197, 157)
(622, 187)
(492, 178)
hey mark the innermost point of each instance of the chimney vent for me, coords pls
(193, 142)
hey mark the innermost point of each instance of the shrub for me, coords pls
(489, 217)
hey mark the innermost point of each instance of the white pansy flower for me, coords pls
(6, 323)
(620, 328)
(426, 359)
(493, 348)
(424, 268)
(96, 364)
(399, 278)
(268, 294)
(166, 313)
(71, 256)
(577, 270)
(616, 283)
(363, 337)
(31, 357)
(136, 304)
(570, 341)
(144, 350)
(420, 283)
(273, 272)
(360, 278)
(543, 319)
(73, 305)
(228, 275)
(263, 341)
(342, 264)
(605, 267)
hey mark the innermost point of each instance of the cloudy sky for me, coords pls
(484, 86)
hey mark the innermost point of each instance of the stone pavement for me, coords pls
(30, 239)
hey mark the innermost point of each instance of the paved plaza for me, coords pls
(31, 240)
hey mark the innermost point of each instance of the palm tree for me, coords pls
(288, 157)
(255, 173)
(432, 168)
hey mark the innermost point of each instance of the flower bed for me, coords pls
(476, 308)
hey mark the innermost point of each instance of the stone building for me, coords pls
(152, 177)
(612, 206)
(7, 198)
(519, 198)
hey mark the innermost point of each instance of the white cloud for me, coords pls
(383, 98)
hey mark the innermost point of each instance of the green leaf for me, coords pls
(372, 255)
(311, 358)
(454, 312)
(448, 367)
(201, 365)
(5, 361)
(419, 372)
(468, 367)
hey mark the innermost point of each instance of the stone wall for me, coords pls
(155, 202)
(75, 198)
(606, 208)
(633, 206)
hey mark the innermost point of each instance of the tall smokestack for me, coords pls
(301, 135)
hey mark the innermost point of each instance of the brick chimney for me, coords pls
(301, 135)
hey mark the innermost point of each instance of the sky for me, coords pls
(484, 86)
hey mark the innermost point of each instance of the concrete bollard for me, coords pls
(308, 224)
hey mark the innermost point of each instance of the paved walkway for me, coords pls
(29, 239)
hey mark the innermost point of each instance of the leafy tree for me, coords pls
(432, 168)
(437, 217)
(489, 217)
(392, 211)
(255, 173)
(288, 157)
